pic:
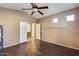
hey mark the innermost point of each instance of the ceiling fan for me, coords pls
(35, 9)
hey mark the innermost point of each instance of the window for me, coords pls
(70, 18)
(55, 20)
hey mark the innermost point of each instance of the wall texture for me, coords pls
(64, 33)
(10, 19)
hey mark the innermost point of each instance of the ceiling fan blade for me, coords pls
(40, 12)
(27, 9)
(32, 13)
(45, 7)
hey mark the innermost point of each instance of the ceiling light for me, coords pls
(35, 9)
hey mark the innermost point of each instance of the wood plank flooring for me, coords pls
(39, 48)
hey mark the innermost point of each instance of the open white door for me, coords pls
(23, 31)
(38, 32)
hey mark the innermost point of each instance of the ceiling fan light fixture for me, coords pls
(35, 9)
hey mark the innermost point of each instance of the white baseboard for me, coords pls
(6, 46)
(63, 45)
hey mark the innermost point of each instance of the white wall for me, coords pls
(28, 27)
(33, 30)
(10, 19)
(63, 33)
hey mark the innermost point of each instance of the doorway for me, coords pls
(29, 31)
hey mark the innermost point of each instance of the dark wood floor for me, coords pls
(40, 49)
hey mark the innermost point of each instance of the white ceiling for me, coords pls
(53, 8)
